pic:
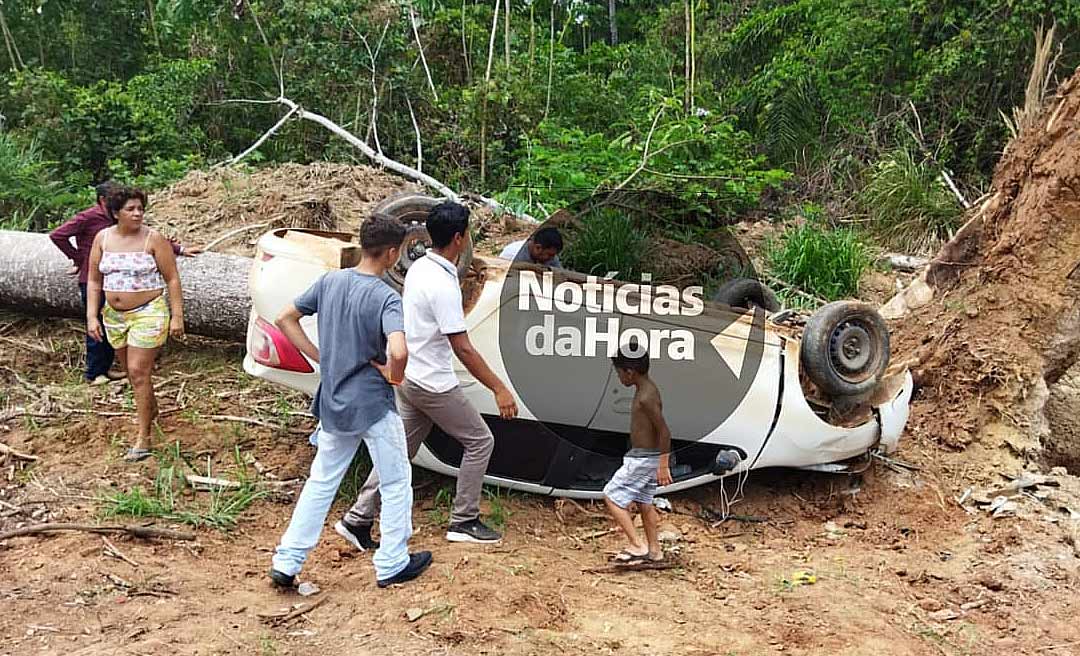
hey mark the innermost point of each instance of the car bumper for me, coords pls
(893, 415)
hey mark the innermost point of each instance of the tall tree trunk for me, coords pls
(693, 50)
(613, 26)
(33, 279)
(551, 61)
(9, 41)
(487, 84)
(686, 56)
(506, 34)
(465, 47)
(153, 24)
(420, 47)
(532, 37)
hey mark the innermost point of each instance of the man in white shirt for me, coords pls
(542, 248)
(430, 394)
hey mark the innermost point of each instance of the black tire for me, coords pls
(747, 293)
(845, 348)
(412, 210)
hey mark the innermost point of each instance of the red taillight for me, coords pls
(272, 348)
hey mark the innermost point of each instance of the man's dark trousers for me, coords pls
(99, 355)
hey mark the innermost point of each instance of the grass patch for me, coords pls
(821, 261)
(908, 207)
(498, 507)
(358, 471)
(605, 241)
(219, 509)
(444, 502)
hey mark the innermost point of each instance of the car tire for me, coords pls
(412, 210)
(746, 293)
(845, 348)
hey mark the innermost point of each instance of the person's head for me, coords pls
(448, 225)
(103, 191)
(380, 240)
(126, 206)
(631, 368)
(545, 245)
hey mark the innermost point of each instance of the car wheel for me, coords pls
(845, 348)
(412, 210)
(746, 293)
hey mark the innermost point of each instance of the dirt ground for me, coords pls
(899, 566)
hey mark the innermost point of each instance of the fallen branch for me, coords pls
(284, 618)
(207, 483)
(909, 263)
(634, 567)
(232, 233)
(644, 153)
(386, 162)
(8, 451)
(111, 550)
(261, 140)
(816, 300)
(138, 531)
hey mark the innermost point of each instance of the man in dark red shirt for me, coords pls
(84, 226)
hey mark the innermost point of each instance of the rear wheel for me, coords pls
(412, 210)
(845, 348)
(747, 293)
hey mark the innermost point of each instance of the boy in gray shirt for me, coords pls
(360, 324)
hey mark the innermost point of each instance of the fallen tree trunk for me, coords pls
(34, 280)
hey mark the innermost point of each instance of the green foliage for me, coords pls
(30, 195)
(159, 172)
(908, 205)
(692, 157)
(606, 241)
(82, 128)
(825, 262)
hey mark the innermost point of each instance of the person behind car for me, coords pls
(542, 248)
(134, 265)
(84, 227)
(431, 394)
(360, 324)
(644, 466)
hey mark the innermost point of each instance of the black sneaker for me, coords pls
(358, 535)
(418, 562)
(473, 530)
(282, 580)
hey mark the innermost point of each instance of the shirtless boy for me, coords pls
(644, 466)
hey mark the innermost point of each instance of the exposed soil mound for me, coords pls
(207, 205)
(1004, 323)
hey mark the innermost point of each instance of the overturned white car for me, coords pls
(743, 388)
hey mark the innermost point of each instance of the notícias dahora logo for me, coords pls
(596, 296)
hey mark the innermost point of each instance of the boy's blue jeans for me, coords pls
(386, 446)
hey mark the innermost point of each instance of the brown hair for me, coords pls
(379, 233)
(119, 196)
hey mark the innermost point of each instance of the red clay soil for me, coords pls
(1004, 324)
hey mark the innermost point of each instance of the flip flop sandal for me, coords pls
(136, 455)
(626, 558)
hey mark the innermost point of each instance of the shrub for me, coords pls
(605, 241)
(819, 260)
(30, 196)
(908, 207)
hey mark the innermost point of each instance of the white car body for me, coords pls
(774, 425)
